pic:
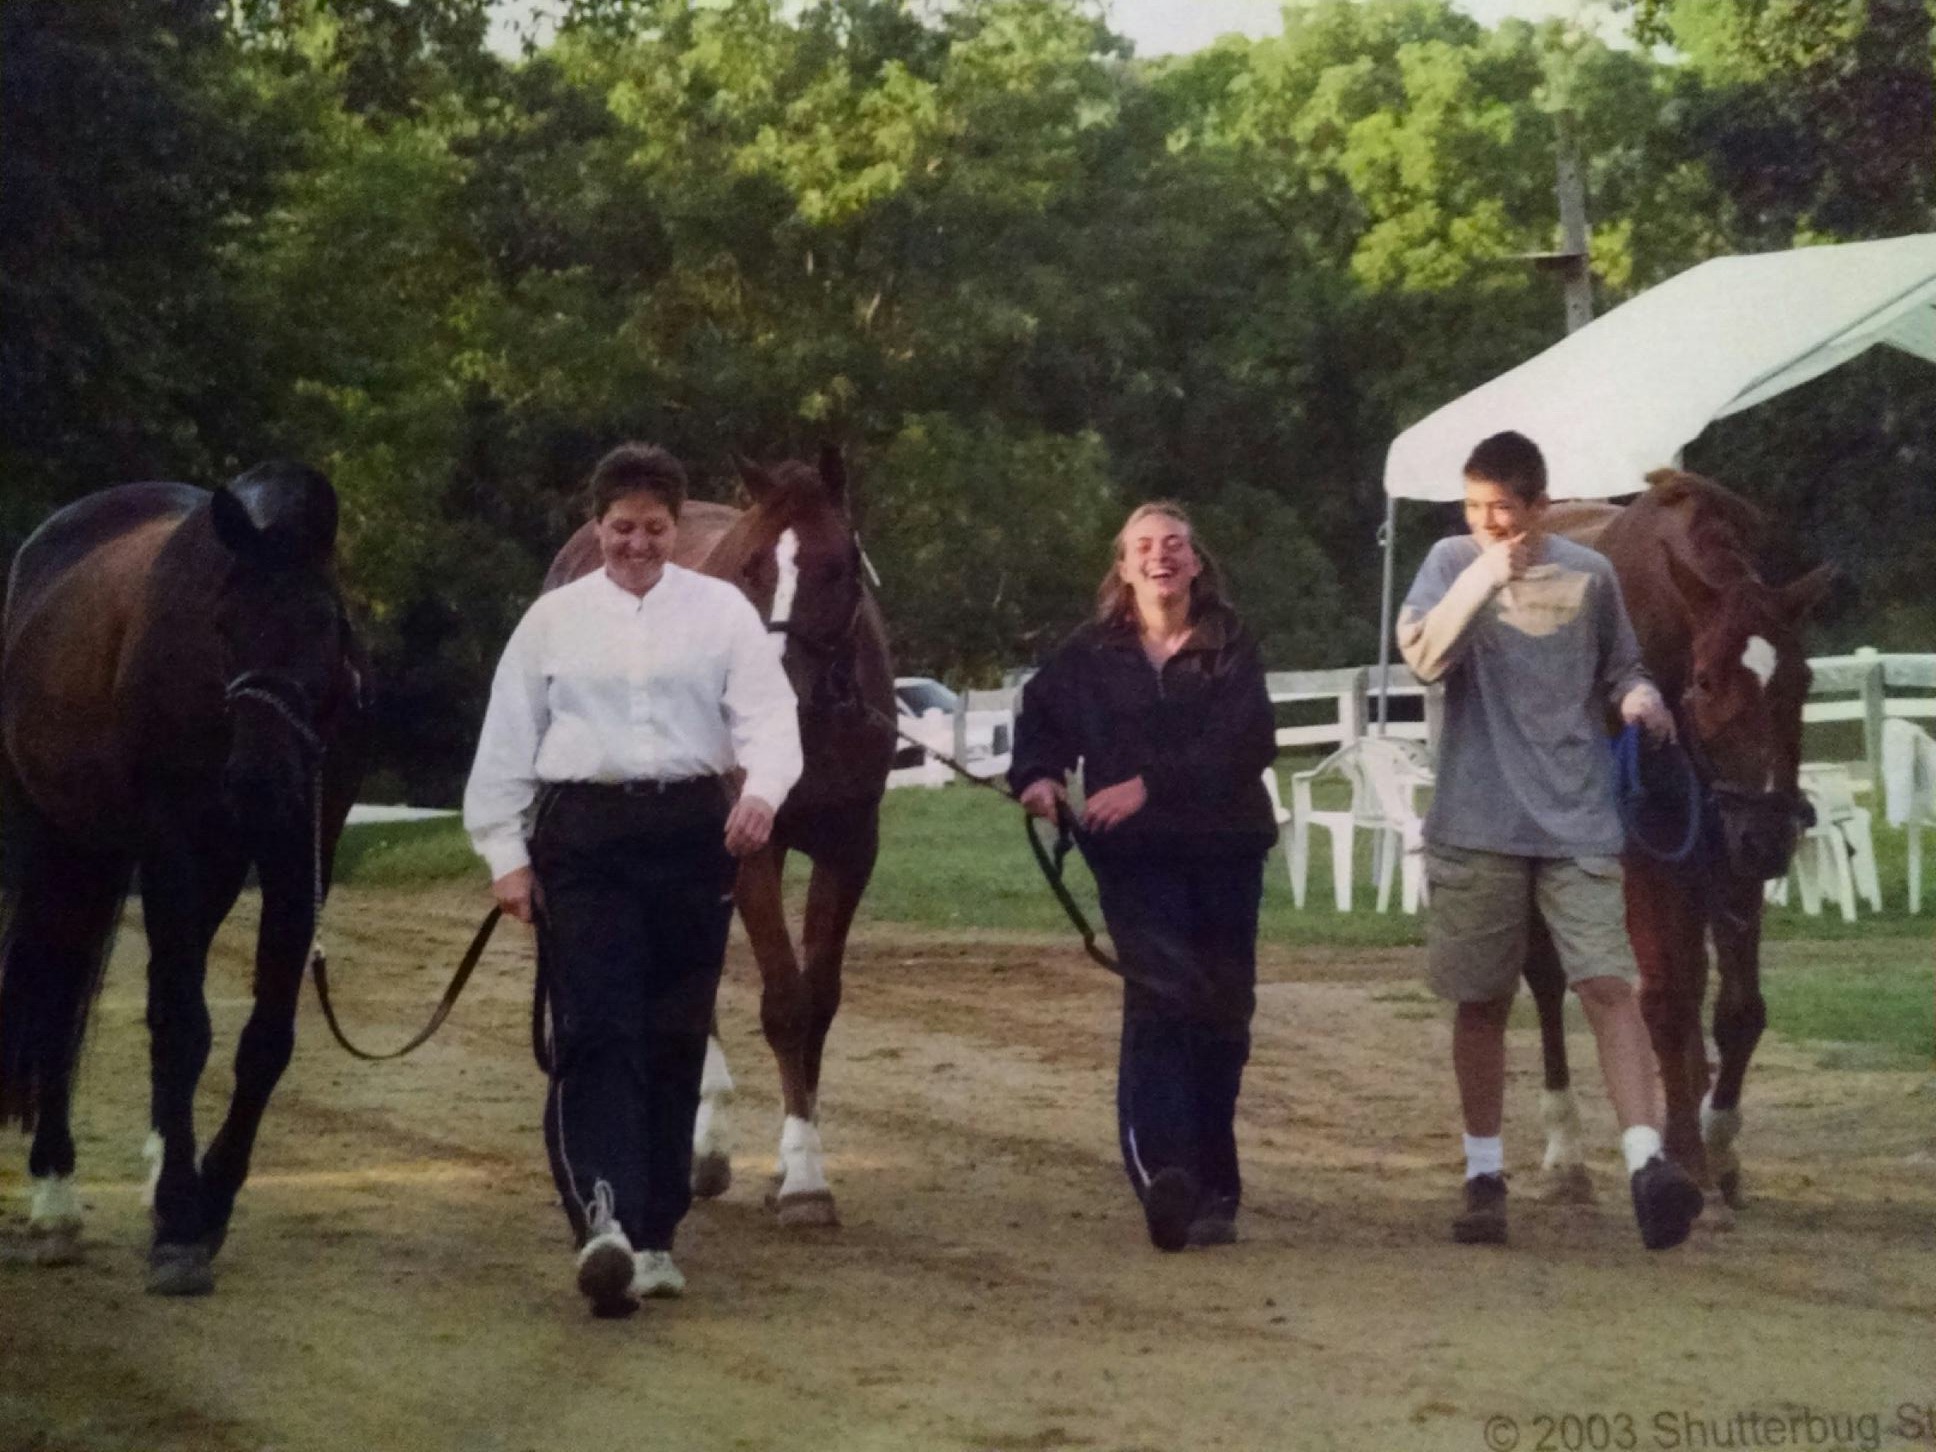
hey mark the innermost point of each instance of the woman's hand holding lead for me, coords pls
(1043, 797)
(748, 826)
(517, 893)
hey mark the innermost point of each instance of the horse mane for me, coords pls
(1721, 529)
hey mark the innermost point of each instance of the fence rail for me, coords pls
(1330, 708)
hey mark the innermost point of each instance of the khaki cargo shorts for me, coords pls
(1481, 915)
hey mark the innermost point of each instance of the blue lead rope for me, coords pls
(1630, 791)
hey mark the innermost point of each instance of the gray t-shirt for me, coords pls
(1531, 669)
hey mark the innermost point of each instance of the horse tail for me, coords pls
(59, 906)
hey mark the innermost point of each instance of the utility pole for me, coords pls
(1572, 261)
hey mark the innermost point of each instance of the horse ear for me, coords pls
(233, 526)
(759, 484)
(1798, 597)
(833, 472)
(1697, 592)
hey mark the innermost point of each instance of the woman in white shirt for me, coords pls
(600, 801)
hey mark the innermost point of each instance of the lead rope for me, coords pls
(1050, 859)
(319, 958)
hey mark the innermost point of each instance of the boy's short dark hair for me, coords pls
(1512, 461)
(630, 468)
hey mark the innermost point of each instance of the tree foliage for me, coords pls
(1025, 277)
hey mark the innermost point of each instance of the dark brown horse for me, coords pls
(1725, 648)
(176, 670)
(795, 554)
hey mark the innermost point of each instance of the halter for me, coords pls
(835, 651)
(1725, 805)
(283, 696)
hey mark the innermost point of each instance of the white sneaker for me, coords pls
(605, 1262)
(655, 1277)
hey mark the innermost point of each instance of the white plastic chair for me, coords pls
(1837, 854)
(1909, 791)
(1383, 776)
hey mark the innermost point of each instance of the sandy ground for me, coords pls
(398, 1277)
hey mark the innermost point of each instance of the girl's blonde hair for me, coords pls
(1115, 600)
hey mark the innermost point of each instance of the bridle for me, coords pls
(836, 685)
(285, 698)
(1730, 815)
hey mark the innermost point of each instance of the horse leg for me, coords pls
(268, 1038)
(801, 1195)
(1740, 1015)
(1669, 935)
(1565, 1162)
(833, 897)
(59, 947)
(180, 929)
(712, 1145)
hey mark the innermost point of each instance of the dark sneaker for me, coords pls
(1665, 1203)
(1216, 1223)
(1169, 1205)
(1484, 1220)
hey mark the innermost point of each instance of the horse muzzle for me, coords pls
(1758, 830)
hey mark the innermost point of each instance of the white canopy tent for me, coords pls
(1626, 393)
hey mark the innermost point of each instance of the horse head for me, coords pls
(796, 555)
(1741, 703)
(290, 662)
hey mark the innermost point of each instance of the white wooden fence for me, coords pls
(1330, 708)
(1867, 687)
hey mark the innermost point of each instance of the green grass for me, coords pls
(954, 858)
(404, 854)
(1878, 996)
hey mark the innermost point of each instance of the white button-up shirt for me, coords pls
(599, 684)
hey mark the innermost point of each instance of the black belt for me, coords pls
(648, 786)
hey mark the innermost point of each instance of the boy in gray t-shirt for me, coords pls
(1529, 634)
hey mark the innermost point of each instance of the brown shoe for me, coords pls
(1484, 1220)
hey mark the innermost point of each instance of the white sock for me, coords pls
(1484, 1156)
(1639, 1144)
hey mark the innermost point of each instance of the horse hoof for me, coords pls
(55, 1245)
(179, 1270)
(1717, 1214)
(806, 1209)
(1730, 1187)
(1568, 1185)
(712, 1176)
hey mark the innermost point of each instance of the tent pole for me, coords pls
(1387, 537)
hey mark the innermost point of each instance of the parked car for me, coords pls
(927, 712)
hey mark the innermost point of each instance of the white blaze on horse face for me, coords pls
(786, 559)
(1759, 658)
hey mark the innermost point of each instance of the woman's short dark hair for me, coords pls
(1513, 462)
(632, 468)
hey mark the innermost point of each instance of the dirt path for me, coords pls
(398, 1277)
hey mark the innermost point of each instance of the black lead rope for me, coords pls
(1051, 859)
(320, 964)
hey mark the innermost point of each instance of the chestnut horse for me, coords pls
(795, 554)
(176, 672)
(1726, 651)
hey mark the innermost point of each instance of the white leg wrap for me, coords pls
(1718, 1130)
(151, 1151)
(715, 1079)
(1559, 1114)
(802, 1166)
(56, 1207)
(710, 1126)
